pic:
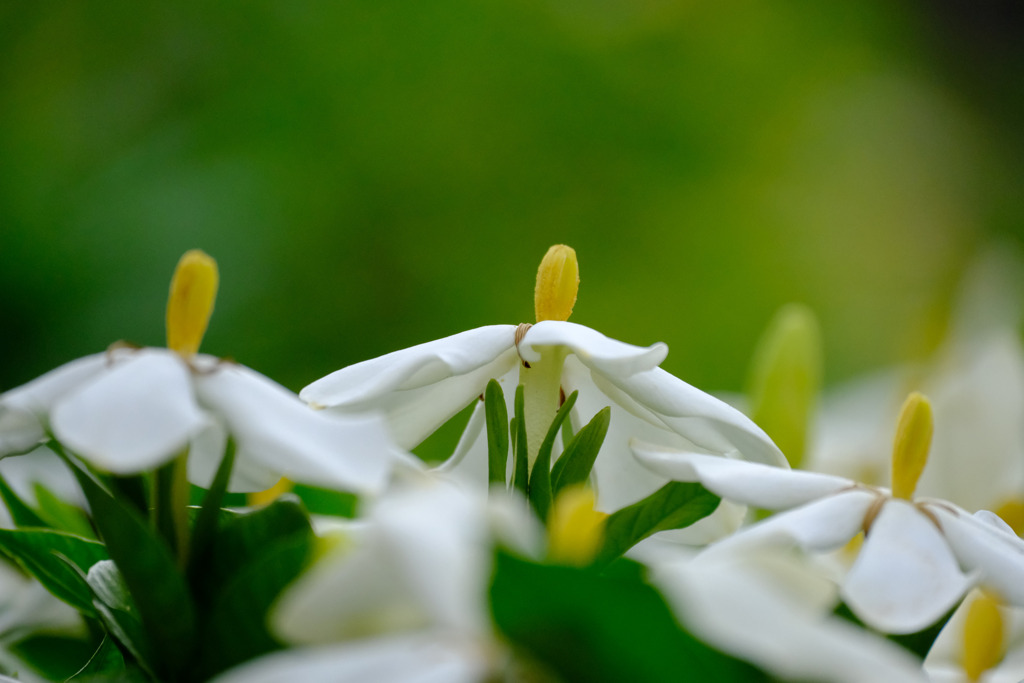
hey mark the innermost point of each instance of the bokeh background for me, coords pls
(371, 174)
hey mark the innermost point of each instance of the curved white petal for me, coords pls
(132, 417)
(469, 461)
(819, 526)
(421, 387)
(277, 434)
(24, 410)
(945, 659)
(996, 555)
(416, 658)
(598, 352)
(905, 576)
(771, 488)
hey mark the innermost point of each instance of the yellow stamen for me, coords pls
(268, 496)
(193, 291)
(1012, 512)
(575, 528)
(558, 281)
(983, 636)
(910, 448)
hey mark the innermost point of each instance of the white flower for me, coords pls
(919, 556)
(980, 643)
(418, 389)
(771, 610)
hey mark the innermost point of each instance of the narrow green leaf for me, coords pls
(539, 489)
(59, 514)
(520, 464)
(145, 562)
(106, 661)
(21, 513)
(206, 522)
(496, 413)
(579, 455)
(170, 501)
(583, 626)
(37, 551)
(674, 506)
(118, 611)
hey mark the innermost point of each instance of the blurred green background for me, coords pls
(371, 174)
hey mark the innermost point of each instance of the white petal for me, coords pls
(419, 388)
(819, 526)
(416, 658)
(772, 488)
(279, 435)
(469, 462)
(710, 425)
(905, 576)
(132, 417)
(596, 351)
(996, 555)
(24, 411)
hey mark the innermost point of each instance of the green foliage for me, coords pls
(496, 413)
(39, 552)
(577, 460)
(520, 450)
(586, 627)
(674, 506)
(539, 487)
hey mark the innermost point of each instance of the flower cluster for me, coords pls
(173, 516)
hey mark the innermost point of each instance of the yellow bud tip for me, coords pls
(558, 281)
(910, 448)
(983, 636)
(1012, 512)
(575, 528)
(268, 496)
(193, 291)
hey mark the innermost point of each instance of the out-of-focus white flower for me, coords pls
(420, 388)
(131, 410)
(908, 572)
(983, 642)
(770, 609)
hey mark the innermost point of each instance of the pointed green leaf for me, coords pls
(579, 455)
(496, 413)
(674, 506)
(520, 455)
(59, 514)
(21, 513)
(105, 662)
(118, 610)
(37, 551)
(206, 521)
(539, 489)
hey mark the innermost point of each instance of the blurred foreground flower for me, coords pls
(422, 387)
(982, 641)
(908, 572)
(131, 410)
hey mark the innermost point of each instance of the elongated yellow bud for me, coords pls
(983, 636)
(558, 281)
(910, 448)
(193, 291)
(575, 528)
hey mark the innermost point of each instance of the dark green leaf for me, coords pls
(520, 455)
(54, 657)
(327, 502)
(106, 661)
(496, 413)
(579, 455)
(59, 514)
(674, 506)
(205, 524)
(21, 513)
(145, 562)
(589, 628)
(38, 550)
(539, 489)
(118, 610)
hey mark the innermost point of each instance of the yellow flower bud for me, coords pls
(910, 448)
(575, 528)
(193, 291)
(983, 636)
(558, 281)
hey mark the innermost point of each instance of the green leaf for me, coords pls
(145, 562)
(539, 488)
(205, 524)
(674, 506)
(590, 628)
(520, 454)
(21, 513)
(59, 514)
(53, 657)
(106, 661)
(38, 550)
(580, 453)
(496, 413)
(320, 501)
(118, 611)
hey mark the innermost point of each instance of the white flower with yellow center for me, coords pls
(983, 642)
(418, 389)
(919, 556)
(130, 410)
